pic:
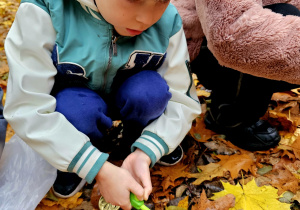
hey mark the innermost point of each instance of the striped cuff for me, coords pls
(88, 162)
(152, 145)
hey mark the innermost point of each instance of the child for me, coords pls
(102, 56)
(3, 124)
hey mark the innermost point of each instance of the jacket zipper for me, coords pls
(112, 52)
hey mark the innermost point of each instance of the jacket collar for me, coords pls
(89, 3)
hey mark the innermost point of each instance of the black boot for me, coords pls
(67, 184)
(238, 101)
(256, 136)
(172, 158)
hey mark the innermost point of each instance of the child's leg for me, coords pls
(3, 125)
(141, 99)
(86, 110)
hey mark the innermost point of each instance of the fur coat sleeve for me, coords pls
(244, 36)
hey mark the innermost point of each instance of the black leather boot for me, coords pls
(256, 136)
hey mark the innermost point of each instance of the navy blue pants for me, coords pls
(139, 100)
(247, 96)
(3, 124)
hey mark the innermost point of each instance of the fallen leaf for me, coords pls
(282, 178)
(174, 208)
(220, 147)
(296, 147)
(250, 197)
(184, 203)
(199, 131)
(223, 203)
(170, 174)
(209, 172)
(297, 196)
(68, 203)
(285, 96)
(235, 163)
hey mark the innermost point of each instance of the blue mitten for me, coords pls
(85, 109)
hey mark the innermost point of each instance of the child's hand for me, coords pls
(115, 185)
(137, 163)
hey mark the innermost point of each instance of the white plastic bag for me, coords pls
(25, 177)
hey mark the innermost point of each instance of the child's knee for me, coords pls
(85, 109)
(144, 95)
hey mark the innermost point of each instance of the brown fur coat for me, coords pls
(244, 36)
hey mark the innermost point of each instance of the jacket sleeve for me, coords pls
(29, 107)
(191, 25)
(164, 134)
(244, 36)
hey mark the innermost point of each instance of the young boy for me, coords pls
(73, 63)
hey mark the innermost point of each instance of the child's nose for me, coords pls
(145, 17)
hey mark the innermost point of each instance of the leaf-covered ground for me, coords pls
(214, 174)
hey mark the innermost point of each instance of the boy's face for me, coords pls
(132, 17)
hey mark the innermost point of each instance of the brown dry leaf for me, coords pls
(282, 178)
(162, 197)
(289, 155)
(45, 207)
(171, 173)
(95, 196)
(234, 163)
(228, 143)
(156, 182)
(209, 172)
(220, 147)
(223, 203)
(296, 147)
(199, 131)
(285, 96)
(297, 196)
(281, 120)
(67, 203)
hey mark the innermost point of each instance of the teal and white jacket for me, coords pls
(70, 38)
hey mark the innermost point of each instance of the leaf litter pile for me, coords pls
(214, 174)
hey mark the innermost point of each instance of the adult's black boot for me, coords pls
(253, 136)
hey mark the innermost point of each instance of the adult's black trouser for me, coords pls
(241, 97)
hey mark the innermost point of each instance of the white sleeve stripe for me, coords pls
(154, 141)
(82, 158)
(152, 147)
(89, 163)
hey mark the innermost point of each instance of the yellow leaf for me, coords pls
(174, 208)
(68, 203)
(184, 203)
(203, 93)
(250, 196)
(71, 202)
(47, 202)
